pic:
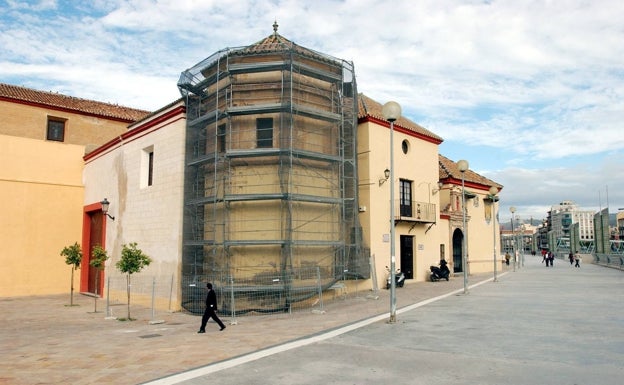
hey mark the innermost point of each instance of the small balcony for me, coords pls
(414, 211)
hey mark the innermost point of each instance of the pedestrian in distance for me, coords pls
(571, 258)
(548, 258)
(577, 258)
(211, 310)
(507, 258)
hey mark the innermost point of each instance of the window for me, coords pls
(264, 132)
(56, 129)
(221, 138)
(150, 168)
(147, 167)
(405, 187)
(405, 146)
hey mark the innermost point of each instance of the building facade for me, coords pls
(141, 174)
(43, 137)
(270, 165)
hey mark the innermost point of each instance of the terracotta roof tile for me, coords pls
(277, 43)
(55, 100)
(448, 169)
(369, 107)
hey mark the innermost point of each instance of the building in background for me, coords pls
(570, 228)
(563, 215)
(620, 224)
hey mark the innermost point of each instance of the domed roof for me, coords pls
(275, 43)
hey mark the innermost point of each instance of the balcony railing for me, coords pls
(414, 211)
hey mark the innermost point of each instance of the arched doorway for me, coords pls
(458, 239)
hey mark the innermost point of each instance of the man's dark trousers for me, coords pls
(210, 313)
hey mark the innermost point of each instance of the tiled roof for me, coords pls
(369, 107)
(277, 43)
(448, 169)
(59, 101)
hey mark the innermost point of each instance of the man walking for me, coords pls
(211, 310)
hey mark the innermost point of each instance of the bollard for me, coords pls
(109, 312)
(233, 302)
(153, 321)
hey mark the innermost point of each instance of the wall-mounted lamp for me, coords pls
(435, 191)
(385, 178)
(105, 203)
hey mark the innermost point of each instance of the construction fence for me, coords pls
(146, 292)
(247, 293)
(267, 292)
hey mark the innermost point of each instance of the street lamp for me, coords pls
(391, 111)
(462, 165)
(512, 209)
(105, 204)
(493, 192)
(522, 244)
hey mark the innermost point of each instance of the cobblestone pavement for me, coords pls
(43, 340)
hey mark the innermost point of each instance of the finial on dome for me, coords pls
(275, 25)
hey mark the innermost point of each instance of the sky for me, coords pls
(530, 93)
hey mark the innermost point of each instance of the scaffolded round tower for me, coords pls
(271, 175)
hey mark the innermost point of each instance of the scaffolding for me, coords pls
(271, 172)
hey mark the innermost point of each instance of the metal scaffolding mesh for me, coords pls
(271, 170)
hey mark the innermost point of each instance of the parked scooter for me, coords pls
(439, 273)
(399, 278)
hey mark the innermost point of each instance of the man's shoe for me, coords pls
(201, 331)
(222, 329)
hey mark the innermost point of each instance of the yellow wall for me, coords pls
(419, 165)
(31, 122)
(480, 246)
(41, 193)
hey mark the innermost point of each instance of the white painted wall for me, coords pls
(151, 216)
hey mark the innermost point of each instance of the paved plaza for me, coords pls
(559, 325)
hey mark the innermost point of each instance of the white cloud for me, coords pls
(536, 82)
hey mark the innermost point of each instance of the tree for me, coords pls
(73, 256)
(132, 261)
(98, 258)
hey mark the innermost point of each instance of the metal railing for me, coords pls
(415, 211)
(609, 260)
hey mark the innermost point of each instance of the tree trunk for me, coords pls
(71, 293)
(128, 287)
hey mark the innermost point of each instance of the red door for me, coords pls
(93, 233)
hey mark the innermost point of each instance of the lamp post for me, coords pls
(391, 111)
(521, 239)
(519, 246)
(462, 165)
(512, 209)
(493, 192)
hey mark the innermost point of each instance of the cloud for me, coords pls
(538, 86)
